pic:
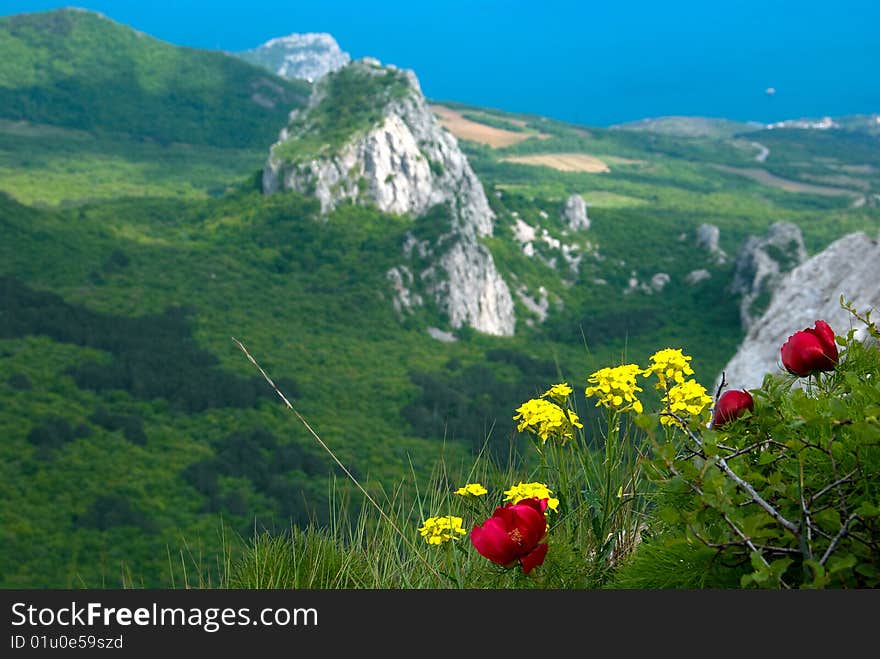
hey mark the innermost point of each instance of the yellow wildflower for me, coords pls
(558, 392)
(437, 530)
(670, 366)
(616, 387)
(472, 489)
(528, 490)
(688, 399)
(547, 419)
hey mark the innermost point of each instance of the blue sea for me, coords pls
(594, 63)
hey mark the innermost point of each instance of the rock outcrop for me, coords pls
(696, 276)
(761, 263)
(400, 160)
(575, 213)
(308, 56)
(538, 242)
(849, 266)
(708, 236)
(657, 283)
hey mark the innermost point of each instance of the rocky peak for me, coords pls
(308, 56)
(849, 266)
(575, 213)
(367, 135)
(760, 263)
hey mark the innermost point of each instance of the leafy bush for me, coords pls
(789, 493)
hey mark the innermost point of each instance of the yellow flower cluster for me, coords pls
(437, 530)
(558, 392)
(670, 366)
(472, 489)
(616, 387)
(528, 490)
(688, 399)
(547, 419)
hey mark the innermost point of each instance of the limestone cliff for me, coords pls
(308, 56)
(760, 264)
(389, 151)
(849, 266)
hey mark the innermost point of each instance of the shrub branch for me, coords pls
(721, 463)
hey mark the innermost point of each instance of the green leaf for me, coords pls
(840, 563)
(868, 570)
(757, 562)
(868, 509)
(819, 578)
(747, 580)
(816, 568)
(828, 520)
(779, 566)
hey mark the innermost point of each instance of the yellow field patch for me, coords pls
(564, 162)
(465, 129)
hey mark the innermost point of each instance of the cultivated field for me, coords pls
(465, 129)
(564, 162)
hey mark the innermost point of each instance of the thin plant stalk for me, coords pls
(336, 460)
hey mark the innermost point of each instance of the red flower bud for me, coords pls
(810, 350)
(514, 533)
(732, 405)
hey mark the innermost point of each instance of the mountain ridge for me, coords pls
(72, 66)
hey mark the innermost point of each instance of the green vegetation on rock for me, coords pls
(350, 101)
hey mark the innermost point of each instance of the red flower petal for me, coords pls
(493, 541)
(825, 335)
(731, 405)
(531, 523)
(513, 532)
(534, 558)
(810, 350)
(802, 354)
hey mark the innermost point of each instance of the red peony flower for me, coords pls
(731, 405)
(810, 350)
(514, 533)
